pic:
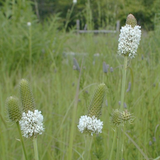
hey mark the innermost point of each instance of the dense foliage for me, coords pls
(104, 12)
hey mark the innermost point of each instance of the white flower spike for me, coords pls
(129, 38)
(31, 123)
(74, 1)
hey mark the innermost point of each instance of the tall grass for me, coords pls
(54, 87)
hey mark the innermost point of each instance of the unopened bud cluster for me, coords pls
(14, 109)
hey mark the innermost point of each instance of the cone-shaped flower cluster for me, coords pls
(13, 108)
(26, 96)
(90, 123)
(129, 38)
(32, 120)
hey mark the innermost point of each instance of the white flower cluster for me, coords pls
(31, 123)
(74, 1)
(29, 24)
(129, 40)
(91, 124)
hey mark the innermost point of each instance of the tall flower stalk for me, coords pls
(15, 114)
(129, 38)
(32, 120)
(91, 124)
(30, 43)
(69, 13)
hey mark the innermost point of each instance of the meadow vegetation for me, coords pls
(43, 54)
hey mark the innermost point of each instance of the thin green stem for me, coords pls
(140, 150)
(74, 118)
(124, 71)
(68, 16)
(88, 144)
(120, 135)
(22, 141)
(30, 45)
(113, 144)
(35, 148)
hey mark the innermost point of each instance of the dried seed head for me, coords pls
(26, 96)
(116, 117)
(97, 101)
(126, 115)
(14, 109)
(131, 20)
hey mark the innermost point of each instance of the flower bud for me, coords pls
(26, 96)
(116, 117)
(97, 101)
(13, 108)
(131, 20)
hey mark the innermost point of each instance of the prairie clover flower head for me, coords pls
(119, 117)
(90, 123)
(31, 123)
(129, 37)
(74, 1)
(97, 101)
(26, 96)
(13, 108)
(127, 116)
(116, 117)
(29, 24)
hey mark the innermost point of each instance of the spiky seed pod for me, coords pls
(14, 109)
(126, 115)
(131, 20)
(97, 101)
(26, 96)
(116, 117)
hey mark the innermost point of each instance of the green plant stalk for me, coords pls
(88, 144)
(35, 148)
(89, 15)
(4, 144)
(124, 71)
(113, 144)
(30, 46)
(68, 16)
(22, 141)
(120, 136)
(141, 151)
(74, 119)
